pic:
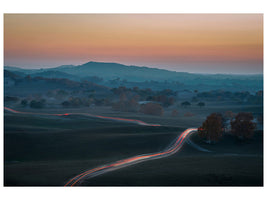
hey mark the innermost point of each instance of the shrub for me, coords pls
(10, 99)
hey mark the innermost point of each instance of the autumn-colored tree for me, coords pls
(242, 126)
(126, 106)
(152, 109)
(211, 129)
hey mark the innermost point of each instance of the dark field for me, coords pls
(48, 151)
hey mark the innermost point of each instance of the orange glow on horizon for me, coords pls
(133, 38)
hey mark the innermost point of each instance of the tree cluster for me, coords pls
(126, 106)
(242, 126)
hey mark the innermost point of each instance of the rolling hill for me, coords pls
(134, 75)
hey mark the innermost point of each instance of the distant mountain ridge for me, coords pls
(131, 76)
(116, 70)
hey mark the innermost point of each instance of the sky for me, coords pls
(196, 43)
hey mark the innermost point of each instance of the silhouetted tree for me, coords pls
(242, 126)
(11, 99)
(185, 104)
(37, 104)
(211, 129)
(201, 104)
(24, 102)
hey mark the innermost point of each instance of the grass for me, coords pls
(47, 151)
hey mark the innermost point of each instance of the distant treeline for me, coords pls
(240, 97)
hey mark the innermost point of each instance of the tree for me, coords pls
(152, 109)
(185, 104)
(211, 129)
(11, 99)
(242, 126)
(126, 106)
(37, 104)
(24, 102)
(201, 104)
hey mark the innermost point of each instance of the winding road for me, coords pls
(139, 122)
(179, 141)
(172, 149)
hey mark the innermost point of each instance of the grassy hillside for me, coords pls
(42, 151)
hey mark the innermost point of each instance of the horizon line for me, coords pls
(132, 65)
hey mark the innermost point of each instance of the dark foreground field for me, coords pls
(48, 151)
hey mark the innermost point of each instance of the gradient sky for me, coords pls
(201, 43)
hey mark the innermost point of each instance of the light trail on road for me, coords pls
(172, 149)
(136, 121)
(179, 141)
